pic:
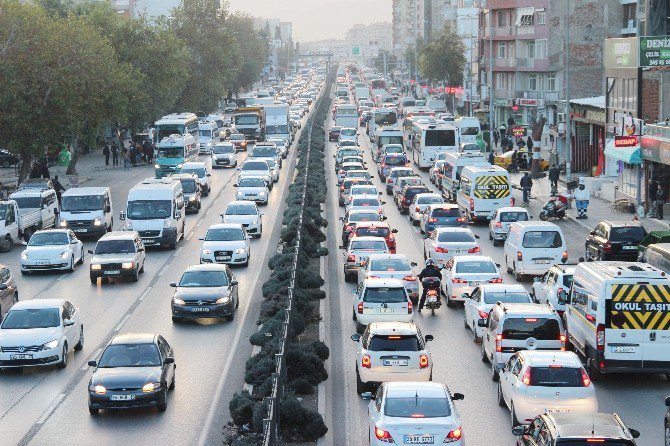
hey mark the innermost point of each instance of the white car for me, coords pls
(401, 182)
(348, 134)
(266, 150)
(247, 214)
(419, 205)
(444, 243)
(363, 189)
(225, 243)
(365, 202)
(537, 382)
(464, 272)
(274, 168)
(434, 172)
(394, 174)
(342, 172)
(282, 145)
(381, 300)
(391, 351)
(391, 266)
(201, 170)
(224, 154)
(40, 332)
(51, 249)
(359, 173)
(255, 168)
(502, 219)
(479, 302)
(358, 251)
(549, 288)
(404, 413)
(252, 189)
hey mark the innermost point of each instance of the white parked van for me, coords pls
(482, 190)
(156, 210)
(451, 171)
(532, 248)
(87, 210)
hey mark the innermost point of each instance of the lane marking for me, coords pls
(51, 408)
(146, 292)
(123, 321)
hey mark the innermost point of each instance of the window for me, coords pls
(551, 82)
(540, 17)
(532, 82)
(502, 50)
(541, 48)
(501, 81)
(502, 18)
(542, 329)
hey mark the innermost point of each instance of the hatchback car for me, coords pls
(52, 249)
(501, 221)
(614, 240)
(576, 429)
(205, 291)
(252, 189)
(247, 214)
(364, 202)
(255, 168)
(444, 243)
(350, 220)
(394, 174)
(406, 413)
(225, 243)
(479, 302)
(381, 300)
(118, 254)
(342, 153)
(553, 284)
(391, 351)
(391, 266)
(462, 273)
(345, 167)
(40, 332)
(357, 254)
(224, 154)
(535, 382)
(348, 134)
(239, 140)
(441, 216)
(134, 370)
(401, 182)
(419, 205)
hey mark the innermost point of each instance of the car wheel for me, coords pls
(360, 385)
(495, 376)
(476, 338)
(450, 303)
(80, 344)
(230, 317)
(93, 411)
(63, 362)
(601, 257)
(501, 400)
(162, 403)
(71, 268)
(360, 328)
(7, 244)
(136, 275)
(515, 422)
(6, 163)
(496, 242)
(484, 358)
(142, 269)
(81, 257)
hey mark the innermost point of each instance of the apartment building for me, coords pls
(366, 41)
(409, 23)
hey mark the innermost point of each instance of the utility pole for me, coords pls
(491, 123)
(568, 121)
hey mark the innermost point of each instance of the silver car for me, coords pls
(391, 266)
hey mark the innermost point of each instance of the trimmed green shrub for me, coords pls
(301, 386)
(241, 408)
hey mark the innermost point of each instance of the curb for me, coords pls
(321, 388)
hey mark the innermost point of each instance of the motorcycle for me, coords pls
(432, 287)
(551, 210)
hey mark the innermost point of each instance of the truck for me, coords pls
(250, 122)
(277, 123)
(24, 213)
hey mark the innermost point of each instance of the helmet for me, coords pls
(430, 262)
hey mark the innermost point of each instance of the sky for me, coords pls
(318, 19)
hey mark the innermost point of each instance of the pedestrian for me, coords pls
(660, 201)
(58, 187)
(529, 143)
(145, 150)
(496, 138)
(651, 198)
(514, 166)
(526, 184)
(554, 174)
(105, 151)
(491, 158)
(132, 153)
(115, 155)
(45, 169)
(126, 158)
(150, 153)
(582, 197)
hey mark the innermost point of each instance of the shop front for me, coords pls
(588, 135)
(656, 157)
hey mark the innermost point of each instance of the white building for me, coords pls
(151, 9)
(366, 41)
(467, 26)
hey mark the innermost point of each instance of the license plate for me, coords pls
(199, 310)
(81, 230)
(42, 262)
(419, 439)
(112, 271)
(629, 247)
(542, 262)
(474, 283)
(559, 410)
(149, 240)
(223, 258)
(395, 362)
(385, 310)
(457, 251)
(122, 397)
(249, 195)
(623, 349)
(21, 357)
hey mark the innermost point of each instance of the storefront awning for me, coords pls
(524, 16)
(629, 155)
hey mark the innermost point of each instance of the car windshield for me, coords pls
(264, 152)
(220, 150)
(251, 182)
(82, 203)
(224, 234)
(348, 132)
(246, 119)
(395, 160)
(510, 217)
(130, 355)
(115, 247)
(441, 212)
(372, 231)
(344, 153)
(188, 186)
(429, 200)
(199, 279)
(542, 239)
(542, 329)
(48, 239)
(255, 165)
(556, 376)
(205, 133)
(240, 209)
(368, 216)
(385, 295)
(394, 343)
(170, 152)
(149, 209)
(506, 297)
(31, 318)
(199, 171)
(365, 202)
(389, 265)
(627, 234)
(417, 407)
(456, 237)
(476, 266)
(368, 245)
(236, 137)
(347, 143)
(28, 202)
(567, 280)
(470, 131)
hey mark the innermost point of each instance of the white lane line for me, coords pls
(51, 408)
(123, 321)
(160, 273)
(146, 292)
(190, 235)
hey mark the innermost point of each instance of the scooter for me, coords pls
(432, 287)
(550, 210)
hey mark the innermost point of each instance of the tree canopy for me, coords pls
(443, 59)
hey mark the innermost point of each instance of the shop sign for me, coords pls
(621, 52)
(655, 51)
(518, 131)
(500, 103)
(597, 116)
(625, 141)
(657, 150)
(527, 102)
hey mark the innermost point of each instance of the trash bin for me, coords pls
(64, 158)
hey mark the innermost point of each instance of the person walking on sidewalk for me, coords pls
(660, 201)
(496, 138)
(653, 187)
(526, 184)
(105, 151)
(554, 174)
(126, 159)
(582, 197)
(115, 155)
(58, 187)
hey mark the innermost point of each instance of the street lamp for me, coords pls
(491, 124)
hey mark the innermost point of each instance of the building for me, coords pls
(367, 41)
(467, 26)
(339, 48)
(442, 14)
(151, 9)
(409, 24)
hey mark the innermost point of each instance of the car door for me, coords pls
(69, 331)
(471, 304)
(375, 409)
(531, 438)
(73, 314)
(506, 377)
(166, 352)
(596, 241)
(544, 287)
(11, 225)
(74, 245)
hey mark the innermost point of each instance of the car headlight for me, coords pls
(240, 251)
(63, 223)
(64, 255)
(127, 265)
(50, 344)
(223, 300)
(254, 222)
(179, 166)
(168, 223)
(97, 222)
(151, 387)
(209, 144)
(192, 198)
(261, 193)
(206, 251)
(178, 301)
(100, 390)
(157, 166)
(96, 267)
(24, 255)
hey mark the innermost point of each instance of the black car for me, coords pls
(614, 240)
(8, 159)
(407, 194)
(134, 370)
(575, 429)
(205, 291)
(192, 191)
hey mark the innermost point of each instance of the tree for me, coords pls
(252, 48)
(443, 59)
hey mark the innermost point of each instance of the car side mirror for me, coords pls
(457, 397)
(382, 202)
(482, 323)
(90, 251)
(168, 360)
(235, 185)
(476, 236)
(3, 286)
(563, 297)
(122, 216)
(634, 433)
(384, 218)
(355, 337)
(531, 217)
(519, 430)
(173, 284)
(209, 174)
(68, 323)
(200, 237)
(92, 363)
(177, 215)
(233, 283)
(465, 296)
(428, 338)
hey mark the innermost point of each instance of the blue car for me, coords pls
(440, 215)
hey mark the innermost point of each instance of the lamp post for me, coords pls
(568, 123)
(491, 123)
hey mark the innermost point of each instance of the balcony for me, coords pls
(509, 62)
(501, 4)
(530, 64)
(525, 31)
(657, 131)
(503, 32)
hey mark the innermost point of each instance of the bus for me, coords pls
(468, 129)
(176, 124)
(378, 84)
(347, 116)
(173, 151)
(427, 140)
(380, 118)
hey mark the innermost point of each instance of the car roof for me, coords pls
(468, 230)
(372, 224)
(529, 309)
(512, 209)
(398, 389)
(225, 226)
(119, 235)
(134, 338)
(184, 176)
(393, 328)
(564, 269)
(465, 258)
(207, 267)
(193, 164)
(379, 283)
(600, 425)
(443, 206)
(366, 238)
(242, 202)
(37, 304)
(495, 287)
(85, 191)
(365, 197)
(539, 358)
(52, 230)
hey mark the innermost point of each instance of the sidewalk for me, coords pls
(599, 209)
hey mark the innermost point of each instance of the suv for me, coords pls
(515, 327)
(192, 191)
(201, 170)
(381, 300)
(117, 254)
(391, 351)
(614, 240)
(552, 285)
(406, 196)
(571, 429)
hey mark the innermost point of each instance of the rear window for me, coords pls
(511, 297)
(371, 216)
(385, 295)
(542, 329)
(429, 200)
(417, 407)
(394, 344)
(410, 193)
(476, 266)
(395, 160)
(542, 239)
(365, 202)
(446, 213)
(372, 232)
(372, 245)
(556, 377)
(627, 234)
(389, 265)
(455, 237)
(510, 217)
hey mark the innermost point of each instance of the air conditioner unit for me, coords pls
(561, 117)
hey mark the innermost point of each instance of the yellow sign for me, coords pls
(491, 187)
(641, 307)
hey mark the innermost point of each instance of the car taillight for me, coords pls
(409, 278)
(600, 337)
(461, 219)
(565, 256)
(404, 200)
(454, 435)
(473, 250)
(496, 280)
(519, 256)
(342, 188)
(457, 280)
(432, 220)
(351, 258)
(591, 318)
(499, 338)
(382, 435)
(417, 209)
(365, 362)
(526, 377)
(607, 247)
(441, 249)
(483, 314)
(360, 307)
(390, 181)
(423, 361)
(498, 224)
(410, 307)
(586, 381)
(562, 338)
(472, 204)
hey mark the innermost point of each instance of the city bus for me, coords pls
(176, 124)
(427, 140)
(380, 118)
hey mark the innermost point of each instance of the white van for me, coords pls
(532, 248)
(451, 171)
(617, 317)
(482, 190)
(156, 210)
(87, 210)
(468, 129)
(208, 135)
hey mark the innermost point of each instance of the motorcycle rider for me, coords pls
(431, 270)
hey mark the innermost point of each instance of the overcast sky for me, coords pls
(318, 19)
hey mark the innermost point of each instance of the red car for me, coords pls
(376, 229)
(239, 141)
(334, 133)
